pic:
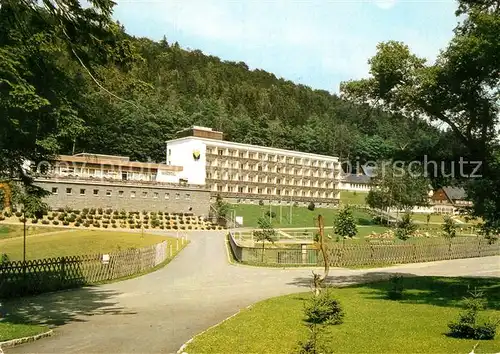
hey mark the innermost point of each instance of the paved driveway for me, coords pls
(158, 312)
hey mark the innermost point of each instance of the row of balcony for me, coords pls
(255, 156)
(280, 183)
(283, 173)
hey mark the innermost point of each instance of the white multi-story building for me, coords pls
(250, 173)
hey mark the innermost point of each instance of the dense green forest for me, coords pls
(173, 88)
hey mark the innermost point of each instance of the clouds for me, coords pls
(318, 43)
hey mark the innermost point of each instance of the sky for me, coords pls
(318, 43)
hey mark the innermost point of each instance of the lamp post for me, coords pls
(24, 238)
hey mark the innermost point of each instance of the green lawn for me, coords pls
(351, 197)
(372, 324)
(301, 216)
(14, 330)
(78, 242)
(10, 231)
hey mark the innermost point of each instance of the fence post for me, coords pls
(170, 250)
(63, 270)
(177, 244)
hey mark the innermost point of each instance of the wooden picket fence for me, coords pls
(18, 278)
(368, 254)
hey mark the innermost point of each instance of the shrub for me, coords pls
(22, 219)
(34, 221)
(77, 224)
(55, 222)
(190, 227)
(405, 227)
(99, 211)
(98, 217)
(96, 224)
(311, 206)
(7, 214)
(168, 227)
(396, 291)
(130, 221)
(61, 217)
(18, 214)
(162, 227)
(86, 224)
(113, 226)
(85, 210)
(2, 217)
(45, 222)
(261, 202)
(146, 226)
(109, 211)
(324, 309)
(65, 223)
(115, 212)
(60, 209)
(132, 226)
(50, 218)
(113, 221)
(92, 211)
(160, 213)
(72, 219)
(175, 227)
(105, 222)
(144, 212)
(77, 212)
(468, 326)
(105, 226)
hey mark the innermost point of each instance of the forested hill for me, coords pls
(168, 88)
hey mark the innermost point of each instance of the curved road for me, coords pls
(158, 312)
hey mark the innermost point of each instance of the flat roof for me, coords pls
(247, 146)
(105, 160)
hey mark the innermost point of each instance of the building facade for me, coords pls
(104, 181)
(249, 173)
(449, 200)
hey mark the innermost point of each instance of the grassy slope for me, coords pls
(301, 216)
(351, 197)
(77, 243)
(14, 330)
(10, 231)
(372, 323)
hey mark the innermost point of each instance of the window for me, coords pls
(230, 189)
(120, 193)
(220, 152)
(95, 192)
(169, 152)
(167, 195)
(132, 194)
(278, 180)
(250, 190)
(219, 188)
(54, 190)
(209, 175)
(259, 190)
(188, 197)
(155, 195)
(240, 189)
(177, 196)
(108, 193)
(82, 191)
(68, 191)
(144, 194)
